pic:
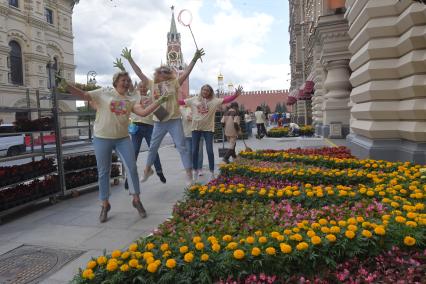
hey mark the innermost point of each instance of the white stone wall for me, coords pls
(40, 42)
(388, 47)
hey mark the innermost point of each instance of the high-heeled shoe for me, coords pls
(138, 205)
(104, 213)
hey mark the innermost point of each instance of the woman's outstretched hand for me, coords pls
(198, 54)
(126, 53)
(119, 64)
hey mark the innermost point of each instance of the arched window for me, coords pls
(16, 75)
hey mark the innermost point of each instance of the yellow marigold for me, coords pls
(212, 239)
(285, 248)
(263, 240)
(112, 266)
(255, 251)
(287, 232)
(409, 241)
(400, 219)
(310, 233)
(280, 238)
(232, 245)
(216, 247)
(101, 260)
(296, 237)
(152, 267)
(238, 254)
(302, 246)
(116, 254)
(331, 238)
(91, 264)
(149, 260)
(323, 221)
(150, 246)
(350, 234)
(411, 224)
(199, 246)
(147, 255)
(125, 255)
(227, 238)
(325, 230)
(366, 233)
(342, 223)
(411, 215)
(296, 230)
(250, 240)
(204, 257)
(315, 240)
(88, 274)
(171, 263)
(164, 247)
(352, 221)
(133, 247)
(274, 234)
(380, 230)
(183, 249)
(360, 219)
(188, 257)
(270, 250)
(124, 268)
(133, 263)
(196, 239)
(335, 230)
(352, 228)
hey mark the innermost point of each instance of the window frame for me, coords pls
(48, 15)
(16, 64)
(14, 3)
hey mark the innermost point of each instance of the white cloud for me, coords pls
(234, 42)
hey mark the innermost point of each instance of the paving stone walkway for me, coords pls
(73, 224)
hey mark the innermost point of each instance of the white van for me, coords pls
(12, 144)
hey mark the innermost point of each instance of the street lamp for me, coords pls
(91, 80)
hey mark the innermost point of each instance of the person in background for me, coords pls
(249, 127)
(166, 83)
(187, 130)
(144, 128)
(231, 122)
(113, 108)
(294, 129)
(260, 122)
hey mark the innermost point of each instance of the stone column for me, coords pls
(388, 47)
(333, 40)
(318, 97)
(336, 99)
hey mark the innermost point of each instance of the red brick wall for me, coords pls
(251, 100)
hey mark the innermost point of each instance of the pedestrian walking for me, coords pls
(231, 124)
(260, 122)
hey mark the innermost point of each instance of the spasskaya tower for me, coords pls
(175, 56)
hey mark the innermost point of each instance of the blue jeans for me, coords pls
(174, 127)
(145, 131)
(249, 128)
(103, 151)
(208, 137)
(188, 143)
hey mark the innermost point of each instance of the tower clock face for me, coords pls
(172, 55)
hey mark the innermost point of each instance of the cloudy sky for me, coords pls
(245, 40)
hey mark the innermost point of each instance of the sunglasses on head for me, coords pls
(165, 71)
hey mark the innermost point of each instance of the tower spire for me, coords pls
(173, 29)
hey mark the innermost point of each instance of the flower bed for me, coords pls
(284, 131)
(305, 221)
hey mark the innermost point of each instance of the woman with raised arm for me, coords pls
(113, 108)
(204, 107)
(167, 119)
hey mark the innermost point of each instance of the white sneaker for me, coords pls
(200, 173)
(212, 176)
(147, 175)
